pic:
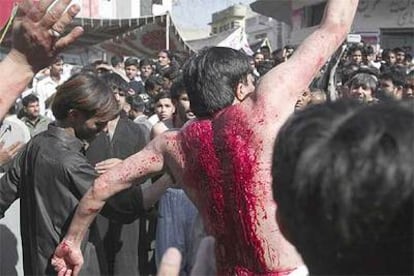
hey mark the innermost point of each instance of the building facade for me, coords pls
(388, 23)
(114, 9)
(257, 27)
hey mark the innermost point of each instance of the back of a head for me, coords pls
(136, 102)
(394, 74)
(87, 93)
(177, 88)
(116, 60)
(115, 82)
(211, 76)
(153, 81)
(343, 182)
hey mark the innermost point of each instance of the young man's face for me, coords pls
(361, 93)
(164, 109)
(163, 59)
(258, 58)
(120, 97)
(400, 57)
(388, 87)
(303, 100)
(183, 108)
(408, 90)
(56, 69)
(32, 110)
(356, 57)
(146, 71)
(390, 59)
(131, 71)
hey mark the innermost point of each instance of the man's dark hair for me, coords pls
(171, 73)
(87, 93)
(169, 53)
(395, 74)
(398, 50)
(145, 62)
(115, 60)
(177, 88)
(31, 98)
(364, 80)
(115, 81)
(136, 102)
(152, 81)
(386, 52)
(131, 62)
(162, 95)
(368, 50)
(211, 77)
(343, 181)
(264, 66)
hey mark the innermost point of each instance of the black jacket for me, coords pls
(50, 176)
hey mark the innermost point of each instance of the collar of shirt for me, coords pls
(70, 140)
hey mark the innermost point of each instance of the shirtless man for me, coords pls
(37, 41)
(224, 157)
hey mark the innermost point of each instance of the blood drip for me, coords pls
(221, 163)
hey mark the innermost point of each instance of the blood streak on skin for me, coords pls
(65, 247)
(220, 165)
(93, 210)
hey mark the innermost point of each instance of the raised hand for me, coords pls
(7, 153)
(38, 29)
(37, 39)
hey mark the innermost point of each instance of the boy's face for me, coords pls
(164, 108)
(361, 93)
(146, 71)
(131, 71)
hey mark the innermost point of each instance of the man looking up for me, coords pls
(223, 159)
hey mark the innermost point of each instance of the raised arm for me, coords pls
(68, 258)
(36, 41)
(280, 87)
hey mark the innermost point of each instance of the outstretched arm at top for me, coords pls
(280, 87)
(149, 161)
(34, 45)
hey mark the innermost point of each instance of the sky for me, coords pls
(190, 14)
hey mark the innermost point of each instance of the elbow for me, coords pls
(100, 189)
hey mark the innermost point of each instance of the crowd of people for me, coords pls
(292, 162)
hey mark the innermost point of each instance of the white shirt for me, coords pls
(44, 89)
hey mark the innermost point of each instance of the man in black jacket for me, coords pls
(52, 173)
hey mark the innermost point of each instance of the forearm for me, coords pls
(16, 76)
(339, 13)
(90, 205)
(310, 56)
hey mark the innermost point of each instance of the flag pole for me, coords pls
(9, 23)
(167, 32)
